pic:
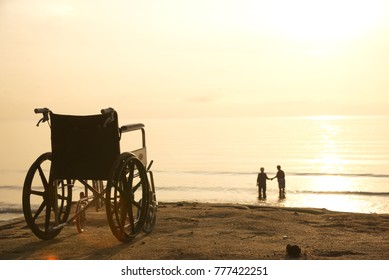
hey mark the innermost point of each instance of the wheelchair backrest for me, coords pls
(84, 147)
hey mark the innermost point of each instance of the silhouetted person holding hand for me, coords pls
(261, 183)
(281, 181)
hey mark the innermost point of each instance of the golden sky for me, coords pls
(186, 58)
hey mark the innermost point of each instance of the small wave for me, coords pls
(371, 175)
(361, 193)
(9, 187)
(189, 189)
(11, 209)
(206, 172)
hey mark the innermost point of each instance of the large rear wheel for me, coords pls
(127, 197)
(46, 203)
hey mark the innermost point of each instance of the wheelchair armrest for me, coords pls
(131, 127)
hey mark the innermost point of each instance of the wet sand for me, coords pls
(201, 231)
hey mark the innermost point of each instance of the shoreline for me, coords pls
(18, 218)
(250, 205)
(209, 231)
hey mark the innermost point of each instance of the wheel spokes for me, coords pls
(130, 177)
(39, 210)
(43, 178)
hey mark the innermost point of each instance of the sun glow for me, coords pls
(335, 202)
(333, 184)
(330, 193)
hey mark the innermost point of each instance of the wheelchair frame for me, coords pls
(78, 155)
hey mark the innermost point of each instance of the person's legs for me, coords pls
(281, 186)
(282, 192)
(261, 192)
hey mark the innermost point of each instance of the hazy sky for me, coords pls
(181, 58)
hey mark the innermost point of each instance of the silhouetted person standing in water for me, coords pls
(261, 183)
(281, 181)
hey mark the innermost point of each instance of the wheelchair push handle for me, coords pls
(44, 112)
(107, 110)
(41, 111)
(111, 115)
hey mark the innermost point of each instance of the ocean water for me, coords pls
(337, 163)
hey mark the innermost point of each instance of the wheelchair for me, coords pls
(86, 150)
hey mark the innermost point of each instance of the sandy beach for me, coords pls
(202, 231)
